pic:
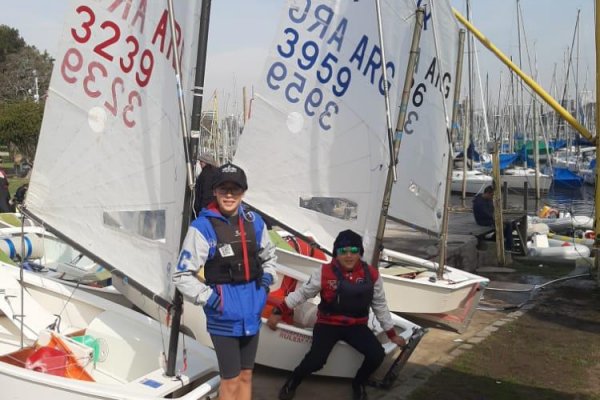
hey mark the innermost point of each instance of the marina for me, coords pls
(366, 202)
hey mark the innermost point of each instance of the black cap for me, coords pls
(230, 173)
(348, 238)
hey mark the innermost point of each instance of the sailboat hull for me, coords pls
(417, 290)
(516, 178)
(476, 181)
(129, 347)
(61, 262)
(285, 347)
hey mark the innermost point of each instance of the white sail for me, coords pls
(316, 147)
(110, 168)
(418, 194)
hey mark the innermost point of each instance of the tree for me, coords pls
(10, 41)
(20, 124)
(20, 65)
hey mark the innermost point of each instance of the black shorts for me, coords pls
(235, 353)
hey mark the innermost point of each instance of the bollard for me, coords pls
(525, 190)
(504, 195)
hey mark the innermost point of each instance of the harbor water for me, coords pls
(575, 200)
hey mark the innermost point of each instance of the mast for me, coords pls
(397, 141)
(386, 94)
(458, 75)
(200, 72)
(469, 131)
(536, 157)
(522, 107)
(177, 306)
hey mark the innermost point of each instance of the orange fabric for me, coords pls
(302, 247)
(276, 297)
(74, 370)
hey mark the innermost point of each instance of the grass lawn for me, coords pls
(551, 352)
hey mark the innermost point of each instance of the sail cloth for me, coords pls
(110, 168)
(315, 147)
(418, 193)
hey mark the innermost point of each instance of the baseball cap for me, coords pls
(230, 173)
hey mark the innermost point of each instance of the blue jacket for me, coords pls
(231, 309)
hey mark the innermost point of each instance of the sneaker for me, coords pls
(288, 390)
(359, 392)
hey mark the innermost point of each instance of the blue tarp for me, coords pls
(557, 144)
(563, 176)
(506, 160)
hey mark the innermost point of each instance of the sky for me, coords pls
(242, 31)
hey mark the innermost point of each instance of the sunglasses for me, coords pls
(234, 190)
(349, 249)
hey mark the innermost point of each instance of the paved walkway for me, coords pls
(437, 349)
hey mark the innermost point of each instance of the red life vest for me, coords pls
(346, 296)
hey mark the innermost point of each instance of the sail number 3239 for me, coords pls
(137, 61)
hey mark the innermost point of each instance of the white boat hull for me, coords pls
(62, 262)
(131, 346)
(404, 295)
(562, 224)
(516, 178)
(285, 347)
(557, 250)
(475, 183)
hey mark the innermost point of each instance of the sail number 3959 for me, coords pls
(295, 89)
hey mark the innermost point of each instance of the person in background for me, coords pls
(5, 205)
(204, 182)
(348, 287)
(19, 197)
(483, 211)
(483, 207)
(230, 250)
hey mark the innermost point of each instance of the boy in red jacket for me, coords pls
(348, 287)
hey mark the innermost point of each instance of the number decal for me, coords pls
(116, 34)
(146, 70)
(67, 65)
(299, 86)
(112, 107)
(290, 42)
(87, 31)
(313, 100)
(273, 76)
(136, 47)
(92, 78)
(129, 108)
(410, 118)
(326, 114)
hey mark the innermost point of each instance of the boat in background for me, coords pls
(544, 249)
(516, 178)
(476, 181)
(47, 255)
